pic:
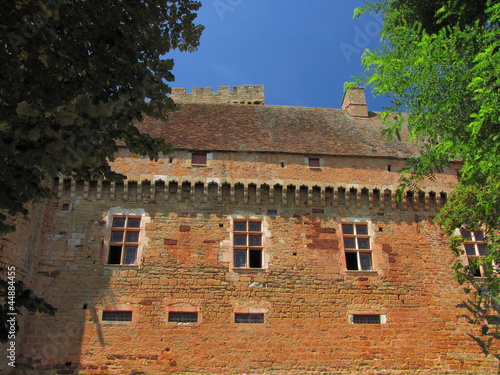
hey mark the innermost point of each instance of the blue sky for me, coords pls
(301, 51)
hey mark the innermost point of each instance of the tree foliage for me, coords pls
(76, 75)
(440, 62)
(470, 207)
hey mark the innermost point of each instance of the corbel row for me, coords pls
(249, 192)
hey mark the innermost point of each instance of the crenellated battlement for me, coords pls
(242, 192)
(244, 94)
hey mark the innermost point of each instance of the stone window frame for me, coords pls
(126, 229)
(182, 317)
(357, 250)
(354, 316)
(316, 160)
(249, 318)
(183, 308)
(249, 233)
(124, 313)
(474, 248)
(119, 308)
(246, 310)
(117, 212)
(264, 236)
(207, 156)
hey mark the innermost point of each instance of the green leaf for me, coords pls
(90, 86)
(440, 62)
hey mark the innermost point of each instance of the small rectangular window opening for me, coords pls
(314, 163)
(366, 319)
(117, 316)
(199, 158)
(249, 318)
(182, 317)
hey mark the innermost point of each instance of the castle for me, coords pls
(269, 242)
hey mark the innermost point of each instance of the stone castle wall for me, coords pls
(305, 292)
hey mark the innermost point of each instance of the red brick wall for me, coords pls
(305, 292)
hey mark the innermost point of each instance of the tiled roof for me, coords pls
(281, 129)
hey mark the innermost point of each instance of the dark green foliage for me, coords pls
(76, 76)
(433, 15)
(471, 207)
(448, 82)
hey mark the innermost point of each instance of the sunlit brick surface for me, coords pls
(303, 292)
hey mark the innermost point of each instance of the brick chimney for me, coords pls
(244, 94)
(354, 102)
